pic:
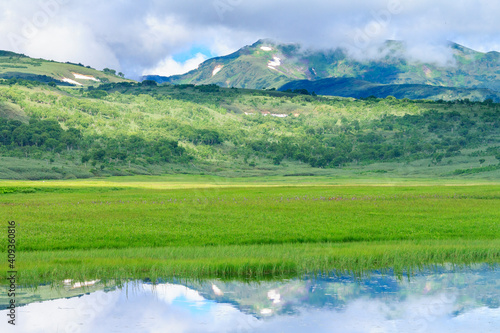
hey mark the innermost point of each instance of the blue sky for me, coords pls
(168, 36)
(184, 56)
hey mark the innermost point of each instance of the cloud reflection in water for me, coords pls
(440, 302)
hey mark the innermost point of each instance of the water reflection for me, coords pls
(438, 301)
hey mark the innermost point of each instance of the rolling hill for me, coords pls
(19, 66)
(267, 64)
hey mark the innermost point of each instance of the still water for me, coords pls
(438, 300)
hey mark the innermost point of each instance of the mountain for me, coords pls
(19, 66)
(130, 128)
(250, 67)
(267, 64)
(350, 87)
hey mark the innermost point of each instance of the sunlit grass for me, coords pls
(253, 261)
(201, 181)
(99, 229)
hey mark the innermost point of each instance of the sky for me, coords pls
(167, 37)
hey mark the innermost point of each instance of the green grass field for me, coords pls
(196, 226)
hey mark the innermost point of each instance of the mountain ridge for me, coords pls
(266, 64)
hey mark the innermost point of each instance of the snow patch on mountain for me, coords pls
(85, 77)
(274, 63)
(217, 69)
(71, 81)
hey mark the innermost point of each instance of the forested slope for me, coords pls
(128, 128)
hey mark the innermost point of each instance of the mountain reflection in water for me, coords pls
(436, 301)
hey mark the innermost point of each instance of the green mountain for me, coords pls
(19, 66)
(266, 64)
(247, 68)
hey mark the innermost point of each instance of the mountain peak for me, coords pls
(264, 41)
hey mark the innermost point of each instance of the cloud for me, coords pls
(430, 53)
(134, 36)
(169, 66)
(71, 42)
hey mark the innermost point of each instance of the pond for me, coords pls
(441, 299)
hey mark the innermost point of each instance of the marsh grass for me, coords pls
(107, 230)
(253, 261)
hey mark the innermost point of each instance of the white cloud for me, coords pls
(169, 66)
(438, 53)
(140, 35)
(164, 31)
(72, 42)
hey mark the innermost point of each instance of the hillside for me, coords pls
(19, 66)
(266, 64)
(129, 129)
